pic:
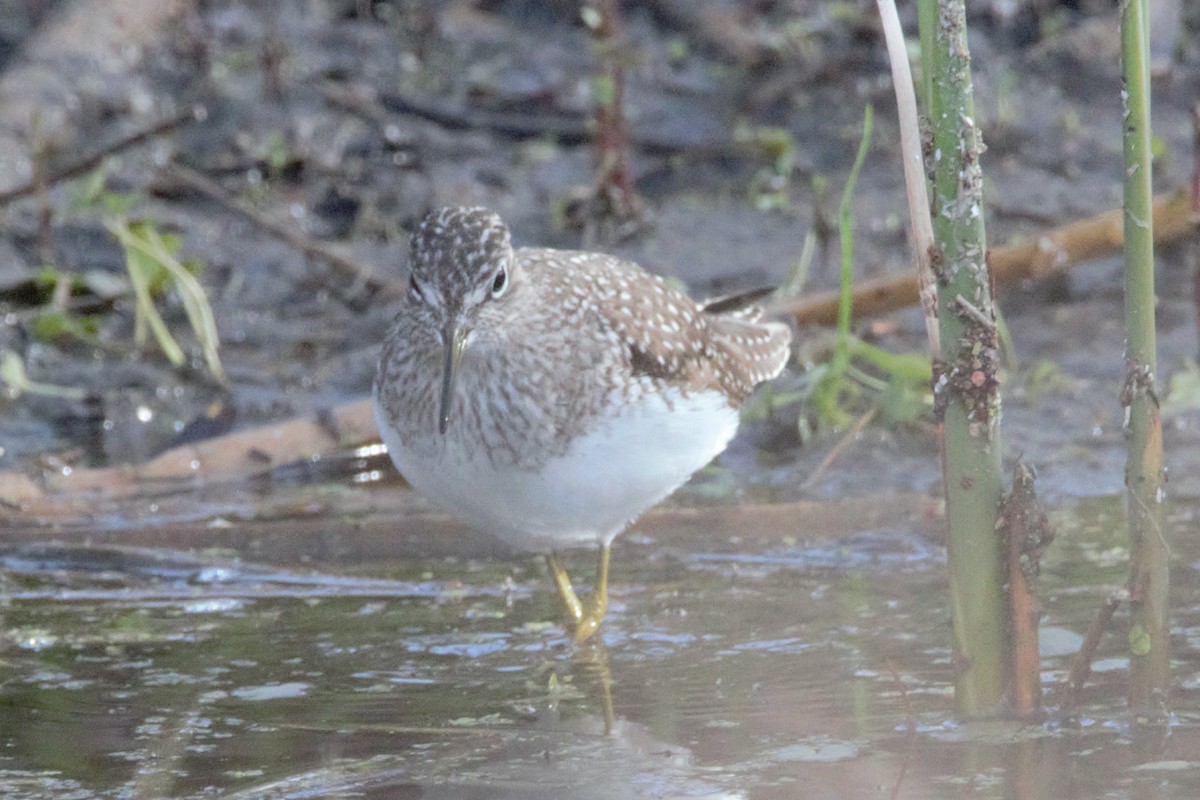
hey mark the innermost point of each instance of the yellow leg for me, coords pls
(583, 621)
(598, 602)
(567, 592)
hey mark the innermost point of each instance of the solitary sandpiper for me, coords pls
(549, 397)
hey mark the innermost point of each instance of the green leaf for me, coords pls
(50, 326)
(12, 374)
(91, 186)
(902, 402)
(12, 371)
(1042, 378)
(54, 324)
(118, 204)
(677, 49)
(48, 277)
(1184, 391)
(604, 92)
(1139, 641)
(278, 153)
(1158, 147)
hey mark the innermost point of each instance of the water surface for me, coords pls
(758, 667)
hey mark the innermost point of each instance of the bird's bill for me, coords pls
(454, 339)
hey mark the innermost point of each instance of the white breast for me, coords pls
(630, 460)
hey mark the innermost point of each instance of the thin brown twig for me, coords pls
(385, 107)
(910, 729)
(46, 177)
(614, 191)
(837, 450)
(364, 277)
(1038, 256)
(1196, 157)
(360, 99)
(1196, 195)
(1081, 665)
(567, 128)
(40, 184)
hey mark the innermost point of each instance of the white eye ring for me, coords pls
(500, 282)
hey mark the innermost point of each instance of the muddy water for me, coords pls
(724, 670)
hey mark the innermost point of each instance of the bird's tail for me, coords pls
(751, 351)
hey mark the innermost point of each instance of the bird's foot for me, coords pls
(582, 620)
(589, 622)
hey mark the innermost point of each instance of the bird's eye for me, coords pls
(414, 291)
(500, 282)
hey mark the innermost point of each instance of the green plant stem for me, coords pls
(841, 356)
(909, 367)
(833, 385)
(966, 387)
(146, 315)
(1148, 637)
(13, 375)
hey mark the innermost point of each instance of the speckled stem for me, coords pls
(1149, 635)
(966, 388)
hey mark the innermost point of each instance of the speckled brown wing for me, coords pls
(672, 339)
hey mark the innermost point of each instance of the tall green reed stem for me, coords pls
(1149, 650)
(966, 385)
